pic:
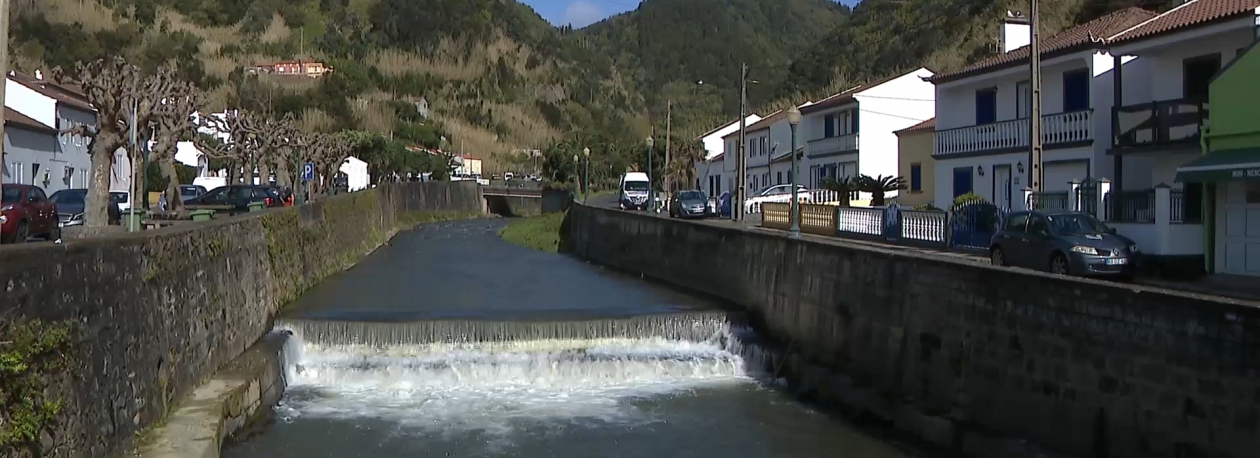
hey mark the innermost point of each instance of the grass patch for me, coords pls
(32, 356)
(541, 232)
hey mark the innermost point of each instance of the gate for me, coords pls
(973, 223)
(1087, 196)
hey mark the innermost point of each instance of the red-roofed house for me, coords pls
(43, 108)
(1159, 115)
(982, 127)
(713, 174)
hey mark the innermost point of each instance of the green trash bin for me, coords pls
(133, 221)
(202, 215)
(257, 206)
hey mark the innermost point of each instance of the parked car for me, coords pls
(26, 211)
(239, 196)
(70, 208)
(776, 193)
(1065, 243)
(121, 198)
(188, 192)
(689, 204)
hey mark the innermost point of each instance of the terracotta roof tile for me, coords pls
(928, 125)
(1189, 14)
(1090, 34)
(61, 93)
(14, 118)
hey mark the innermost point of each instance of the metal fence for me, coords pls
(892, 224)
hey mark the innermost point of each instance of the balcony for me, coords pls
(832, 145)
(1162, 123)
(1056, 129)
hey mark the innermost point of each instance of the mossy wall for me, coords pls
(156, 313)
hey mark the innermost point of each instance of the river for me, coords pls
(449, 342)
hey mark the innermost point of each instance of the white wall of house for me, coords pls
(30, 103)
(887, 108)
(26, 157)
(1164, 78)
(713, 144)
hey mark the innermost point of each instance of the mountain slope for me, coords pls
(673, 44)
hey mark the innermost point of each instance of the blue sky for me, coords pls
(581, 13)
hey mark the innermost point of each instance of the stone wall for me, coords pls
(158, 312)
(962, 353)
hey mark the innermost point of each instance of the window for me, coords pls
(986, 106)
(1023, 100)
(916, 177)
(1016, 222)
(1076, 90)
(765, 146)
(829, 126)
(37, 195)
(962, 180)
(778, 177)
(1198, 73)
(1038, 225)
(67, 177)
(853, 122)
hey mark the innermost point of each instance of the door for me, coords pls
(1002, 186)
(1058, 175)
(962, 181)
(1012, 238)
(39, 205)
(1241, 229)
(1038, 245)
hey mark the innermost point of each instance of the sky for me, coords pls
(581, 13)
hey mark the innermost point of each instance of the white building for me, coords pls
(356, 171)
(853, 133)
(713, 175)
(981, 143)
(47, 108)
(1160, 112)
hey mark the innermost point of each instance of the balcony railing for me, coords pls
(1075, 126)
(832, 145)
(1166, 122)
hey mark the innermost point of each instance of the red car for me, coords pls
(26, 211)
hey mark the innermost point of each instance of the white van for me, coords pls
(634, 189)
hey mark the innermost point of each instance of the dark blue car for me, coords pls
(1065, 243)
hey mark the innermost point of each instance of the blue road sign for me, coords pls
(308, 171)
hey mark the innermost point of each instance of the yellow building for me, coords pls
(915, 163)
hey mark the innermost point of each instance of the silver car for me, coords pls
(689, 204)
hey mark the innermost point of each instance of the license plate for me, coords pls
(1117, 262)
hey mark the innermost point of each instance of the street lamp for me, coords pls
(586, 175)
(651, 194)
(794, 118)
(576, 178)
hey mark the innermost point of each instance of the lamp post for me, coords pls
(576, 179)
(586, 175)
(651, 194)
(794, 118)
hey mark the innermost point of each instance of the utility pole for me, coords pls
(669, 111)
(1034, 118)
(4, 68)
(132, 151)
(737, 207)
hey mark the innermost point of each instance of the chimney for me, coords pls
(1016, 31)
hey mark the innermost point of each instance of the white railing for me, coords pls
(868, 221)
(1059, 128)
(924, 225)
(832, 145)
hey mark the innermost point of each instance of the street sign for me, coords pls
(308, 171)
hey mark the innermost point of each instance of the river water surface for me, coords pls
(452, 343)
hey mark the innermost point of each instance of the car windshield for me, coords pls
(69, 197)
(188, 191)
(1076, 224)
(636, 186)
(10, 195)
(119, 197)
(691, 195)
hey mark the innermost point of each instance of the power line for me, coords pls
(893, 116)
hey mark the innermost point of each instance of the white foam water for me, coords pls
(491, 386)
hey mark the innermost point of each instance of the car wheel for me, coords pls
(1059, 265)
(22, 233)
(997, 256)
(55, 234)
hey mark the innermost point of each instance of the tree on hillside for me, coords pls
(172, 121)
(116, 89)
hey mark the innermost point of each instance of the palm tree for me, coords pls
(843, 186)
(880, 185)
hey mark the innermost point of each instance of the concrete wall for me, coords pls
(158, 312)
(962, 353)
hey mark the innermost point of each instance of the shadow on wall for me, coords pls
(510, 206)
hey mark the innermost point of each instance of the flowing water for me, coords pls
(451, 343)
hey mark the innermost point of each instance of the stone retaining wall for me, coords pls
(967, 355)
(158, 312)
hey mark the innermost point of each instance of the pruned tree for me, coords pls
(171, 122)
(240, 128)
(123, 96)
